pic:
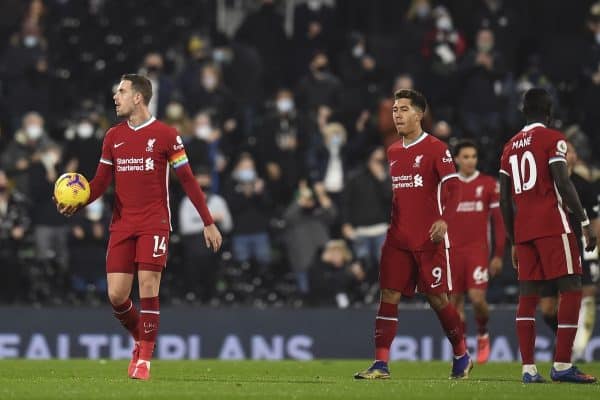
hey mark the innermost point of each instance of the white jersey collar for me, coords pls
(468, 179)
(417, 141)
(529, 127)
(145, 124)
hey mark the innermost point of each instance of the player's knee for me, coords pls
(117, 297)
(438, 301)
(390, 296)
(477, 299)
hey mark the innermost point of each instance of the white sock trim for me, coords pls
(525, 319)
(387, 318)
(531, 369)
(560, 366)
(149, 312)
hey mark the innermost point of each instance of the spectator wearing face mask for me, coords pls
(282, 147)
(326, 161)
(50, 228)
(83, 152)
(307, 221)
(25, 76)
(199, 262)
(590, 82)
(24, 149)
(14, 223)
(366, 209)
(443, 48)
(87, 248)
(162, 86)
(214, 96)
(320, 86)
(205, 145)
(198, 53)
(359, 71)
(251, 211)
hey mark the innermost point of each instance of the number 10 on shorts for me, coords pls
(160, 246)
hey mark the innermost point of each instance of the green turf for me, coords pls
(210, 379)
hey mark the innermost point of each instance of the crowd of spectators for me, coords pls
(285, 128)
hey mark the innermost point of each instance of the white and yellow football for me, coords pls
(72, 189)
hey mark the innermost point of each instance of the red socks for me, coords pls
(453, 326)
(526, 327)
(482, 325)
(386, 325)
(148, 327)
(128, 317)
(568, 316)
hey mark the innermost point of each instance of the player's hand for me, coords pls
(495, 266)
(212, 237)
(590, 238)
(67, 211)
(515, 260)
(438, 230)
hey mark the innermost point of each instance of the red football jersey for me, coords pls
(140, 157)
(526, 159)
(470, 225)
(417, 171)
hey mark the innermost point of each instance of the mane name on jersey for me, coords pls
(519, 144)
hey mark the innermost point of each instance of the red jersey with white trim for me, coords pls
(140, 158)
(417, 171)
(526, 159)
(469, 227)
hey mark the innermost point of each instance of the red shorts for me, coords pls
(469, 266)
(548, 258)
(404, 270)
(127, 252)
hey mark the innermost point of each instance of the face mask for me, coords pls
(33, 132)
(246, 175)
(85, 130)
(49, 159)
(209, 82)
(336, 140)
(422, 10)
(153, 69)
(30, 41)
(485, 47)
(203, 132)
(284, 105)
(444, 23)
(322, 68)
(358, 51)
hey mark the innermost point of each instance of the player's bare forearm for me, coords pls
(560, 175)
(506, 206)
(499, 235)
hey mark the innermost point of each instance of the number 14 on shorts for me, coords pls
(160, 246)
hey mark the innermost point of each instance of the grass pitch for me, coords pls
(210, 379)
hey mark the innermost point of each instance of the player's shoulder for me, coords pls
(115, 129)
(488, 180)
(164, 128)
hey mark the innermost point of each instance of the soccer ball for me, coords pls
(72, 189)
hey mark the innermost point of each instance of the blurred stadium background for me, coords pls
(285, 110)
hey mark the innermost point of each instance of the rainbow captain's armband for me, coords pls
(178, 159)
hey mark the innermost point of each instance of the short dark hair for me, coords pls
(537, 104)
(416, 98)
(465, 144)
(140, 84)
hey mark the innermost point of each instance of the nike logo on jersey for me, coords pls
(149, 330)
(119, 144)
(393, 162)
(157, 255)
(434, 285)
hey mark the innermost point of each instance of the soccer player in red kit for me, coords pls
(137, 153)
(468, 231)
(534, 190)
(415, 252)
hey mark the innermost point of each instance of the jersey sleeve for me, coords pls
(175, 151)
(494, 188)
(444, 164)
(106, 157)
(556, 148)
(504, 168)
